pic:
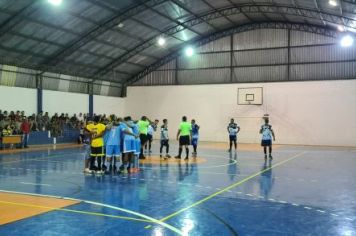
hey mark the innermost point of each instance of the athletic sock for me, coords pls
(180, 152)
(186, 152)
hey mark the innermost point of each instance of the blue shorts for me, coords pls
(195, 141)
(113, 150)
(129, 145)
(232, 138)
(266, 143)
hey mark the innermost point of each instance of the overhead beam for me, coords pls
(297, 11)
(98, 30)
(248, 27)
(16, 18)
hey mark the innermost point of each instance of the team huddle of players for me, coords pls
(123, 140)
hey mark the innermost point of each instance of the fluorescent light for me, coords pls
(341, 28)
(161, 41)
(347, 41)
(189, 51)
(333, 3)
(55, 2)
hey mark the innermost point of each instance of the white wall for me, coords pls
(311, 113)
(109, 105)
(22, 99)
(63, 102)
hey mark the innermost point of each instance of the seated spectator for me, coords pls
(7, 131)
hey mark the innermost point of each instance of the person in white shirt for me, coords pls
(151, 129)
(164, 139)
(267, 135)
(233, 129)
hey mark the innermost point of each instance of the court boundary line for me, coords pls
(228, 188)
(151, 219)
(70, 210)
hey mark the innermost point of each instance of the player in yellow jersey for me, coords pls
(97, 131)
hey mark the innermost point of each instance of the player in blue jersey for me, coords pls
(136, 132)
(267, 135)
(112, 143)
(129, 144)
(195, 136)
(233, 129)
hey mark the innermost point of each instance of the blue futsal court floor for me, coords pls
(303, 191)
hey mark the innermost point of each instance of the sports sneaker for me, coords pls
(160, 155)
(87, 171)
(168, 156)
(99, 172)
(265, 157)
(229, 150)
(270, 157)
(186, 159)
(177, 157)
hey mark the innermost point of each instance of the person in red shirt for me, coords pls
(25, 129)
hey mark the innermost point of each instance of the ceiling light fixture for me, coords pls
(55, 2)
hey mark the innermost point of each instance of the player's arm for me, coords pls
(274, 137)
(127, 131)
(238, 129)
(100, 135)
(109, 126)
(228, 130)
(178, 133)
(261, 130)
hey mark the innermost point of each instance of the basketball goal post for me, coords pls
(250, 125)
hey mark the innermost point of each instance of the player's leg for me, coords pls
(270, 151)
(230, 144)
(93, 155)
(161, 148)
(180, 148)
(167, 149)
(149, 143)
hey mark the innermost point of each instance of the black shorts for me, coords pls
(184, 140)
(165, 142)
(149, 137)
(97, 152)
(232, 138)
(266, 143)
(143, 138)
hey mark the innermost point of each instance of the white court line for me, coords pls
(35, 184)
(177, 231)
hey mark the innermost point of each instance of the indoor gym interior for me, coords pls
(209, 60)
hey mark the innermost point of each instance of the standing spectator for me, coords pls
(46, 121)
(39, 121)
(25, 129)
(80, 117)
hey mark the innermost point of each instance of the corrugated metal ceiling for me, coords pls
(94, 37)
